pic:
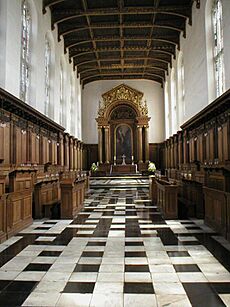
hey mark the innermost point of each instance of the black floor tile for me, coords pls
(21, 286)
(79, 287)
(136, 268)
(12, 299)
(135, 254)
(186, 268)
(134, 244)
(192, 227)
(221, 287)
(167, 236)
(136, 287)
(178, 254)
(42, 228)
(201, 294)
(86, 268)
(50, 253)
(92, 254)
(38, 267)
(4, 283)
(108, 213)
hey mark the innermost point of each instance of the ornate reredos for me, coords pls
(125, 94)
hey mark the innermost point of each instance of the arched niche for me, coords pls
(123, 110)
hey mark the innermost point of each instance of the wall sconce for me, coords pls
(23, 131)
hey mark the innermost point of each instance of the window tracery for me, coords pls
(25, 52)
(47, 76)
(217, 19)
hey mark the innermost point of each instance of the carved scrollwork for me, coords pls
(123, 93)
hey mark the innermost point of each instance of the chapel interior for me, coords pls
(115, 153)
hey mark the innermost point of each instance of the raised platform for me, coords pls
(119, 182)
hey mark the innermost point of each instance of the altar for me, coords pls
(123, 129)
(123, 169)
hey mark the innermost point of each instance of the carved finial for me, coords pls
(197, 3)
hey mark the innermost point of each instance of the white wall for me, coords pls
(10, 37)
(199, 86)
(153, 93)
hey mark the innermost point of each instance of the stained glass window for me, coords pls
(47, 76)
(218, 47)
(25, 52)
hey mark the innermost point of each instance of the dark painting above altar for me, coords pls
(123, 142)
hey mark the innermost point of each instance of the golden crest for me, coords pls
(123, 93)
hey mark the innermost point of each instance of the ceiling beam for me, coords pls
(125, 66)
(131, 49)
(180, 11)
(118, 59)
(116, 78)
(149, 42)
(123, 75)
(84, 4)
(116, 26)
(169, 51)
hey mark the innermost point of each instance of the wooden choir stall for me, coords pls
(36, 156)
(198, 160)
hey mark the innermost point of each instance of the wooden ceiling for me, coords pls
(121, 39)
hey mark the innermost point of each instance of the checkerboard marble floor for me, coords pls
(118, 251)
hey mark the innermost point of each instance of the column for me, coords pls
(75, 154)
(139, 142)
(185, 147)
(66, 150)
(71, 153)
(180, 149)
(171, 153)
(78, 156)
(100, 144)
(107, 145)
(81, 155)
(225, 137)
(60, 150)
(166, 154)
(146, 144)
(175, 150)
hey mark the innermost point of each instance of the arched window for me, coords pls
(72, 106)
(167, 111)
(62, 114)
(181, 88)
(47, 77)
(217, 20)
(25, 52)
(173, 102)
